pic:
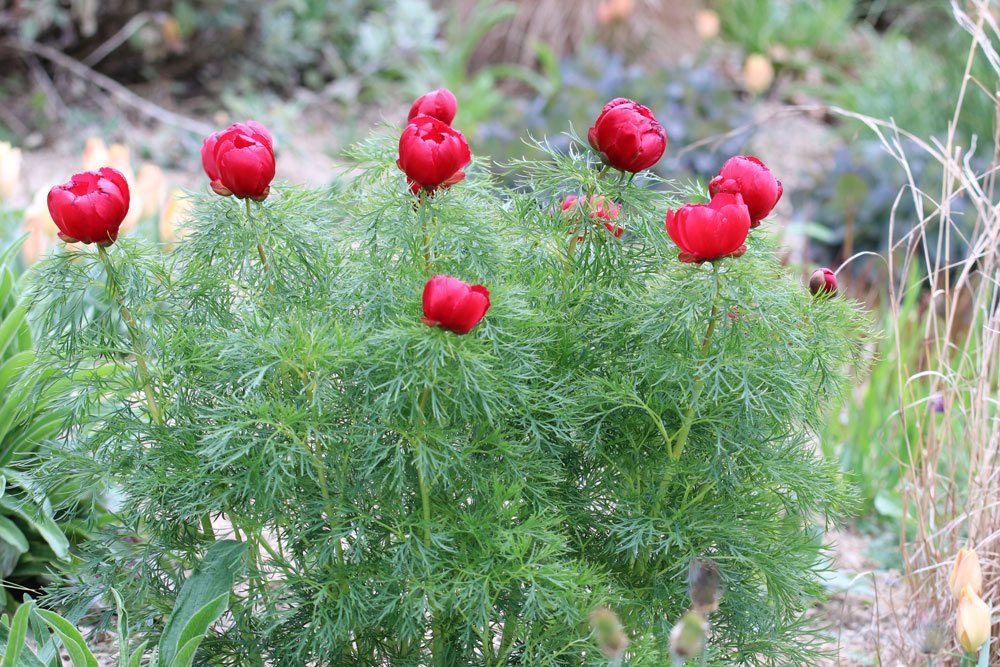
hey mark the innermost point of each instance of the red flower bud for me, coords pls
(432, 154)
(705, 232)
(747, 176)
(627, 136)
(440, 104)
(90, 207)
(823, 281)
(454, 305)
(598, 208)
(240, 160)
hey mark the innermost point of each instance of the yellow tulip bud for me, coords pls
(10, 170)
(966, 572)
(173, 215)
(758, 73)
(40, 227)
(707, 24)
(972, 621)
(151, 186)
(95, 154)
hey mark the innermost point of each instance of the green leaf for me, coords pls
(12, 367)
(136, 659)
(984, 655)
(41, 522)
(18, 631)
(12, 535)
(199, 598)
(194, 631)
(123, 649)
(11, 325)
(73, 641)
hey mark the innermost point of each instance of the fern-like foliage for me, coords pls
(413, 497)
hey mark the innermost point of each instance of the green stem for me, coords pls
(133, 330)
(428, 237)
(140, 360)
(260, 250)
(206, 525)
(425, 491)
(680, 438)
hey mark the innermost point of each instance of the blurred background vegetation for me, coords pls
(724, 77)
(136, 84)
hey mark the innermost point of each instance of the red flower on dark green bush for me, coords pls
(240, 160)
(90, 207)
(440, 104)
(823, 281)
(432, 154)
(627, 136)
(747, 176)
(710, 231)
(454, 305)
(598, 208)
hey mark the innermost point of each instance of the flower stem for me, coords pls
(260, 250)
(437, 632)
(680, 438)
(425, 491)
(428, 253)
(133, 330)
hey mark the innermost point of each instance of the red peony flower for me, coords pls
(90, 207)
(454, 305)
(823, 281)
(627, 136)
(240, 160)
(706, 232)
(432, 154)
(747, 176)
(440, 104)
(598, 209)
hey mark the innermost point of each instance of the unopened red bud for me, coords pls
(823, 281)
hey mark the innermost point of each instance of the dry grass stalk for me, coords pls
(951, 464)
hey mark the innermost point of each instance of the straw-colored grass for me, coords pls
(950, 479)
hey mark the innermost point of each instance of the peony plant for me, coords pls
(457, 424)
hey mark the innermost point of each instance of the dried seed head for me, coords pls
(687, 639)
(704, 585)
(609, 632)
(933, 637)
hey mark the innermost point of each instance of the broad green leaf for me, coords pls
(12, 535)
(984, 655)
(73, 641)
(212, 579)
(123, 630)
(12, 249)
(15, 640)
(136, 659)
(13, 367)
(11, 325)
(194, 631)
(41, 522)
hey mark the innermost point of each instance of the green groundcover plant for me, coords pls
(433, 474)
